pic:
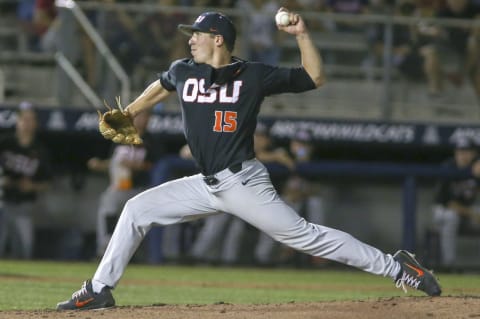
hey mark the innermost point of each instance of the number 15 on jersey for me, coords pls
(225, 121)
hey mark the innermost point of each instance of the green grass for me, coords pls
(40, 285)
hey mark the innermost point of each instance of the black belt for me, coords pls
(212, 180)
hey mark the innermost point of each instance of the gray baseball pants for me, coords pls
(17, 225)
(249, 195)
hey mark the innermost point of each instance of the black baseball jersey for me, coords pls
(220, 106)
(19, 162)
(460, 189)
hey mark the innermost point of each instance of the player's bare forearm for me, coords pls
(137, 165)
(152, 95)
(311, 59)
(460, 208)
(98, 165)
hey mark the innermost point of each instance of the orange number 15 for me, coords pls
(225, 121)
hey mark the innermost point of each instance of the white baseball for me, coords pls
(282, 18)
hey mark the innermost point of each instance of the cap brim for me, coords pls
(187, 29)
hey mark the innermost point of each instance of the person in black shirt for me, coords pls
(454, 211)
(220, 98)
(27, 172)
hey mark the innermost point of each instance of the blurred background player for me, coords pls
(128, 168)
(454, 211)
(27, 174)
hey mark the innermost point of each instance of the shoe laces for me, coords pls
(407, 280)
(81, 292)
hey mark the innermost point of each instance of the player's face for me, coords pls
(27, 122)
(201, 47)
(261, 142)
(464, 157)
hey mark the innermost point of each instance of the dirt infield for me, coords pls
(395, 308)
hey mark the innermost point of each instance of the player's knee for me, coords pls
(131, 208)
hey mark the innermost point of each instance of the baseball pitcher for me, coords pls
(220, 98)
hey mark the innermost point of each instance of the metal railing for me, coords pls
(102, 49)
(78, 80)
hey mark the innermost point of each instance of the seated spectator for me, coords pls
(341, 31)
(413, 53)
(59, 31)
(25, 13)
(155, 51)
(458, 48)
(347, 7)
(262, 32)
(37, 19)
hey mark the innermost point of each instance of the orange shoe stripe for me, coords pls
(417, 270)
(80, 304)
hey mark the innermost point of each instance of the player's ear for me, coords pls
(219, 40)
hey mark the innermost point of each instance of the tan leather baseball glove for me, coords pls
(117, 125)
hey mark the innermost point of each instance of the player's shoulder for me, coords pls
(254, 67)
(181, 63)
(251, 64)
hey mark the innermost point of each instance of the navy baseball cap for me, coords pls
(303, 136)
(465, 144)
(214, 23)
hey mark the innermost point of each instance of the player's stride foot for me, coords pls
(415, 275)
(85, 298)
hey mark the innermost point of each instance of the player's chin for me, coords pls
(197, 59)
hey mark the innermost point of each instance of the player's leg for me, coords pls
(233, 240)
(209, 235)
(447, 222)
(263, 249)
(258, 204)
(107, 207)
(23, 248)
(266, 244)
(21, 229)
(173, 202)
(284, 225)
